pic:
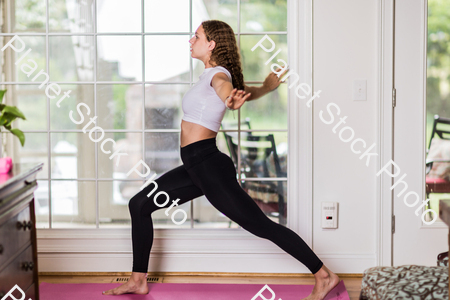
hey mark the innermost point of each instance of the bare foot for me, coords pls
(325, 282)
(137, 284)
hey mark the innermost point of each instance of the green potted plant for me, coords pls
(7, 115)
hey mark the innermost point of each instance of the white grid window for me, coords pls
(130, 63)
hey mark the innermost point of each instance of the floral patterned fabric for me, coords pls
(405, 282)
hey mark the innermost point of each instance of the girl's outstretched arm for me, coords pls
(271, 82)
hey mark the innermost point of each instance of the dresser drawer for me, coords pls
(14, 236)
(30, 293)
(18, 272)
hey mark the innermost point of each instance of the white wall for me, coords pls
(345, 48)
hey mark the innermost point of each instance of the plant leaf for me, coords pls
(2, 92)
(13, 111)
(19, 134)
(3, 121)
(9, 118)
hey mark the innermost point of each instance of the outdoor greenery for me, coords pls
(438, 61)
(438, 70)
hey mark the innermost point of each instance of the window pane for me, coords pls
(30, 16)
(223, 10)
(25, 66)
(114, 197)
(71, 16)
(59, 116)
(166, 16)
(437, 104)
(119, 106)
(162, 151)
(41, 204)
(163, 108)
(129, 143)
(160, 220)
(34, 151)
(253, 63)
(119, 58)
(271, 197)
(71, 58)
(114, 16)
(269, 111)
(72, 155)
(73, 204)
(31, 101)
(263, 154)
(263, 15)
(166, 57)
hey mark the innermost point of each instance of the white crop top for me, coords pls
(201, 104)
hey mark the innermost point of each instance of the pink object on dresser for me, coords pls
(5, 164)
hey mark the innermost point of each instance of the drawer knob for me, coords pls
(1, 249)
(27, 266)
(24, 225)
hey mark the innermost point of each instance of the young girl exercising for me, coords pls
(206, 170)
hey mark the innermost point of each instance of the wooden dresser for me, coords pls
(18, 248)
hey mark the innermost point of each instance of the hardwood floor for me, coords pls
(352, 281)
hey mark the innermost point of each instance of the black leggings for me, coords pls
(207, 171)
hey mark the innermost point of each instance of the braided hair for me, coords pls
(226, 52)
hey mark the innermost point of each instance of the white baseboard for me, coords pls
(236, 263)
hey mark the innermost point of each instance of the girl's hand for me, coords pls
(272, 80)
(236, 99)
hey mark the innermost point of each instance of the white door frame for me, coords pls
(384, 206)
(410, 57)
(300, 173)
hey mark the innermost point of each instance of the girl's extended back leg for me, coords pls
(216, 176)
(178, 185)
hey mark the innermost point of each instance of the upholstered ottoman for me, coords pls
(405, 282)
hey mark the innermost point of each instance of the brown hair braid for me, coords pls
(226, 52)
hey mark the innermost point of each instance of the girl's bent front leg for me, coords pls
(178, 185)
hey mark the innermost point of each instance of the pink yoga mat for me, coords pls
(185, 291)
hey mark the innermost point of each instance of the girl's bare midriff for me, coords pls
(191, 132)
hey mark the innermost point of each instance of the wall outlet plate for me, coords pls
(329, 214)
(360, 90)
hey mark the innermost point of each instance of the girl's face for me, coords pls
(200, 47)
